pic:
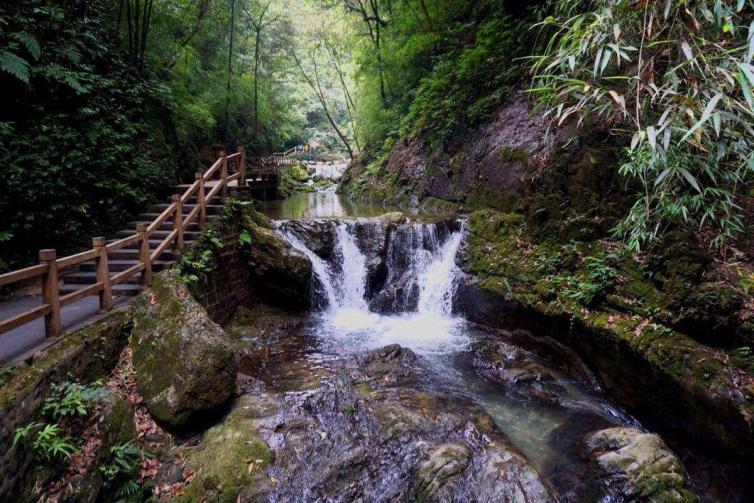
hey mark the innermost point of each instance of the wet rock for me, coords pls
(445, 463)
(639, 466)
(371, 237)
(263, 335)
(183, 360)
(361, 437)
(515, 369)
(395, 217)
(280, 274)
(399, 296)
(318, 235)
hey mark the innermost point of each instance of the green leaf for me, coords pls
(29, 42)
(690, 178)
(14, 65)
(705, 115)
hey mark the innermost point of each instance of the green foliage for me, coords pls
(195, 264)
(82, 142)
(120, 470)
(676, 78)
(597, 281)
(447, 66)
(69, 399)
(468, 82)
(45, 441)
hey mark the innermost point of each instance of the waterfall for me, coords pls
(353, 270)
(419, 259)
(437, 281)
(413, 272)
(320, 267)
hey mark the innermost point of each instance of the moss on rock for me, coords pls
(230, 460)
(183, 361)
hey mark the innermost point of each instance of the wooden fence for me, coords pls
(283, 158)
(50, 267)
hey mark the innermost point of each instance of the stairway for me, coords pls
(120, 260)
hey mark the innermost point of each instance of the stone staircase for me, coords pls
(123, 259)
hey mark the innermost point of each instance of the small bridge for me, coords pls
(80, 288)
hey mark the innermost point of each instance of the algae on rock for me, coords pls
(184, 363)
(230, 461)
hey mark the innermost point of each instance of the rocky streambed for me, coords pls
(349, 374)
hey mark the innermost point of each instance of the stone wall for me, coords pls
(86, 355)
(226, 287)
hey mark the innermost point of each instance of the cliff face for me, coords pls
(486, 166)
(515, 162)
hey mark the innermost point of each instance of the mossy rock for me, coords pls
(280, 274)
(640, 466)
(184, 363)
(230, 460)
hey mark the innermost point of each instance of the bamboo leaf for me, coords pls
(687, 50)
(690, 178)
(705, 115)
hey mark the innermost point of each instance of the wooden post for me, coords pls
(224, 174)
(144, 255)
(200, 200)
(50, 292)
(242, 166)
(103, 275)
(178, 223)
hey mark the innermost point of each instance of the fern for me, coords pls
(29, 42)
(14, 65)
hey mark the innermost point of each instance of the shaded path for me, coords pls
(24, 341)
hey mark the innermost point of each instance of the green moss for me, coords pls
(512, 155)
(87, 354)
(222, 459)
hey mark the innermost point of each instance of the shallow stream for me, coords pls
(543, 409)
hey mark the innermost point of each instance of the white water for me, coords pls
(347, 321)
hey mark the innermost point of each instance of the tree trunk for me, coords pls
(256, 82)
(230, 71)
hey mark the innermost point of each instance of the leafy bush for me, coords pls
(82, 145)
(121, 468)
(596, 283)
(676, 78)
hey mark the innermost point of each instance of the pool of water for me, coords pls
(324, 204)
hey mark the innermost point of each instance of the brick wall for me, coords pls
(228, 285)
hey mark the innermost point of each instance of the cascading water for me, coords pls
(394, 284)
(420, 278)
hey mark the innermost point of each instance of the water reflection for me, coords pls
(319, 205)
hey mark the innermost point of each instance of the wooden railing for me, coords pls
(283, 158)
(50, 267)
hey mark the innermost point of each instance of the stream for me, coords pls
(378, 287)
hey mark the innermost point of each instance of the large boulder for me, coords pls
(184, 363)
(228, 463)
(318, 235)
(371, 237)
(280, 274)
(639, 466)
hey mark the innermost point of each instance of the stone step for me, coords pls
(121, 265)
(89, 278)
(122, 289)
(188, 235)
(212, 209)
(211, 217)
(165, 226)
(133, 254)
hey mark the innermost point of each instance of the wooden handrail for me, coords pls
(49, 267)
